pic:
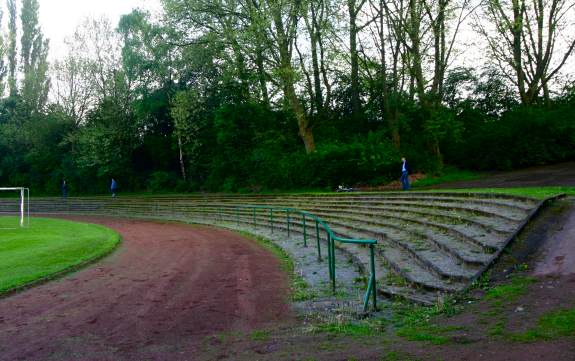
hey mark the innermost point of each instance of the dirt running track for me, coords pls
(156, 298)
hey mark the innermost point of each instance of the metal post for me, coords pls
(318, 240)
(373, 285)
(22, 195)
(28, 207)
(304, 232)
(333, 263)
(238, 215)
(254, 213)
(329, 256)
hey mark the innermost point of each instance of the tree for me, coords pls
(285, 20)
(276, 22)
(317, 16)
(12, 34)
(530, 38)
(3, 68)
(354, 8)
(192, 20)
(34, 54)
(92, 69)
(105, 144)
(147, 55)
(72, 86)
(99, 45)
(186, 112)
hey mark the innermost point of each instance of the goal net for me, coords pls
(15, 201)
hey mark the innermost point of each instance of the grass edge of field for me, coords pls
(116, 240)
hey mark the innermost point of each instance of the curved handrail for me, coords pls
(331, 239)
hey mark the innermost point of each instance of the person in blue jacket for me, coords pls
(64, 189)
(404, 175)
(114, 187)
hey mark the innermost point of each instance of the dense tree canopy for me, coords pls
(235, 95)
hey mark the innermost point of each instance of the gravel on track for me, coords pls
(157, 298)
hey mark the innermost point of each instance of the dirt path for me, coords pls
(558, 254)
(562, 174)
(156, 298)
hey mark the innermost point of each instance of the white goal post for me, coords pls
(24, 203)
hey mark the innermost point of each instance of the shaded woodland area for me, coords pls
(249, 95)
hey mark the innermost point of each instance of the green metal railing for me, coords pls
(331, 238)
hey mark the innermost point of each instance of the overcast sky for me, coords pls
(59, 18)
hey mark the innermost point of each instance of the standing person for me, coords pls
(113, 187)
(404, 175)
(64, 189)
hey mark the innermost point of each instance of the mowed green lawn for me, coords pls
(47, 248)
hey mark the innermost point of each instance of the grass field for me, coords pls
(48, 248)
(449, 174)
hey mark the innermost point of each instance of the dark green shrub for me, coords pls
(162, 182)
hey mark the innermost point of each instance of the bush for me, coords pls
(523, 137)
(365, 160)
(162, 182)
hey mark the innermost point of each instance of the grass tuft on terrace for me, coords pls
(47, 249)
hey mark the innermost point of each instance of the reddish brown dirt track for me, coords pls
(156, 298)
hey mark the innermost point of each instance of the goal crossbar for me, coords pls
(24, 203)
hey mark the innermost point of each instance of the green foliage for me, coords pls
(103, 148)
(162, 182)
(448, 174)
(192, 84)
(415, 322)
(259, 335)
(427, 333)
(34, 51)
(521, 137)
(510, 292)
(356, 329)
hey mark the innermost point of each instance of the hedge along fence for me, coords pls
(214, 214)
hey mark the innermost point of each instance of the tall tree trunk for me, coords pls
(314, 30)
(182, 165)
(414, 34)
(390, 112)
(354, 59)
(262, 75)
(287, 75)
(12, 62)
(517, 49)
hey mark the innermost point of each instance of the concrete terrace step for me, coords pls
(424, 239)
(513, 215)
(521, 202)
(502, 225)
(511, 202)
(417, 240)
(457, 217)
(506, 201)
(472, 236)
(506, 214)
(398, 259)
(394, 259)
(430, 243)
